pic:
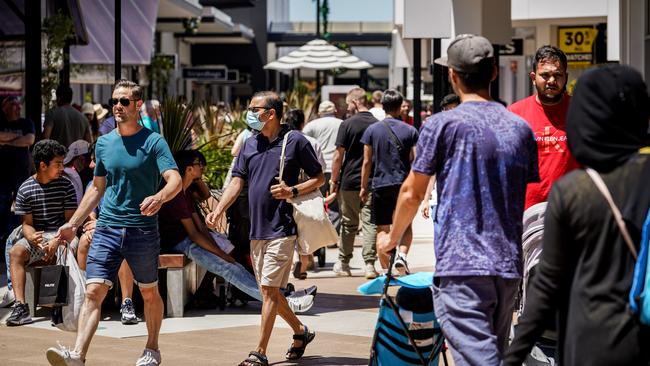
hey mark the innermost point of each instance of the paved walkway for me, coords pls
(343, 319)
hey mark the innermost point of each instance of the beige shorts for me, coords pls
(272, 260)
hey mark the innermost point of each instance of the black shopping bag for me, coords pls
(53, 290)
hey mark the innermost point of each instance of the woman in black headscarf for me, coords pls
(585, 273)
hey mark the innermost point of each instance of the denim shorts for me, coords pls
(140, 246)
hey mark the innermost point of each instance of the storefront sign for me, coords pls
(206, 74)
(514, 48)
(577, 43)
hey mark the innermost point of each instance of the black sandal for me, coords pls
(255, 358)
(294, 353)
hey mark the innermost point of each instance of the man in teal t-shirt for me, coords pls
(130, 161)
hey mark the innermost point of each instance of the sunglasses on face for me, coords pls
(123, 101)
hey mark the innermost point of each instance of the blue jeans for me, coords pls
(475, 313)
(140, 246)
(234, 273)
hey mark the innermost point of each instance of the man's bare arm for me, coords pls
(150, 205)
(22, 141)
(337, 163)
(229, 196)
(88, 203)
(365, 172)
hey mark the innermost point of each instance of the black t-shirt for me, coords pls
(18, 157)
(349, 137)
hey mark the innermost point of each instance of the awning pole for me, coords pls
(33, 101)
(118, 40)
(417, 82)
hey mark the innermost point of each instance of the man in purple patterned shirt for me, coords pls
(482, 156)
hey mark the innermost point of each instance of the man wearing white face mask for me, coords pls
(273, 230)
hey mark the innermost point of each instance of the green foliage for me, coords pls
(178, 121)
(300, 98)
(218, 162)
(158, 72)
(59, 29)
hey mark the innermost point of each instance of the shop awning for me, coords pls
(12, 20)
(138, 24)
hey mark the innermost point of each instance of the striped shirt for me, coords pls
(46, 202)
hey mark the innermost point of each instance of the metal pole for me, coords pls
(417, 81)
(317, 18)
(118, 40)
(438, 75)
(33, 101)
(405, 75)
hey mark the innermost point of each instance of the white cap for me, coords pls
(77, 148)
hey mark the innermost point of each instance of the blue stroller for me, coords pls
(407, 332)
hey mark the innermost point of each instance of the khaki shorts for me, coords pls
(272, 260)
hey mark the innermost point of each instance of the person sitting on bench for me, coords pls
(182, 231)
(45, 201)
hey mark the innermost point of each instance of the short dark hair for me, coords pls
(272, 101)
(481, 79)
(550, 53)
(46, 150)
(63, 94)
(185, 158)
(295, 118)
(136, 90)
(449, 99)
(391, 100)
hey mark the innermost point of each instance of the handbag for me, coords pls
(639, 297)
(53, 289)
(315, 230)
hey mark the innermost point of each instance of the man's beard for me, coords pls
(544, 99)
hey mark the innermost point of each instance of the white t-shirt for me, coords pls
(379, 113)
(325, 130)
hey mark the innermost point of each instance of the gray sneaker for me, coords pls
(62, 356)
(128, 312)
(150, 357)
(342, 269)
(19, 315)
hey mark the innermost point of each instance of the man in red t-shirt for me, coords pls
(546, 112)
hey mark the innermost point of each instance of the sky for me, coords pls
(344, 10)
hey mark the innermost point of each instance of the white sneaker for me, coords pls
(7, 299)
(342, 269)
(300, 304)
(149, 357)
(371, 272)
(400, 266)
(62, 356)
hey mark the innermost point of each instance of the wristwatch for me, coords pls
(294, 191)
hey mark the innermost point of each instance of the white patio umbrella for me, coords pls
(318, 54)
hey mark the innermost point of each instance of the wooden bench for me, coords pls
(181, 277)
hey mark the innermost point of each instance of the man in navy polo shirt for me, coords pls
(389, 148)
(273, 230)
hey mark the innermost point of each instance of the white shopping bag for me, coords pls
(76, 294)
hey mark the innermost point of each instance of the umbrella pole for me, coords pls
(318, 86)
